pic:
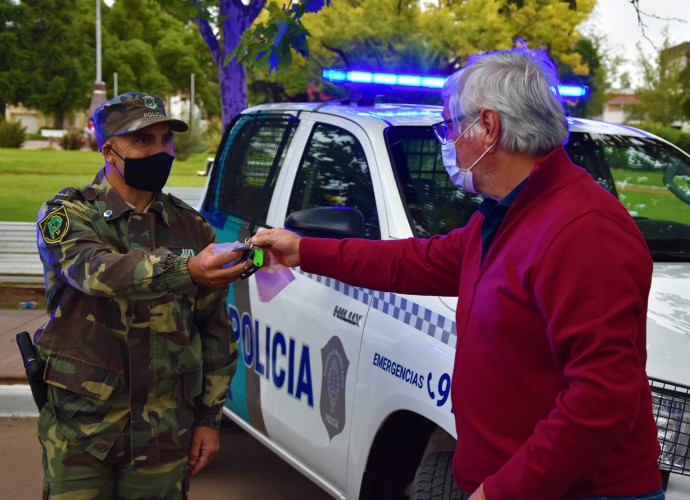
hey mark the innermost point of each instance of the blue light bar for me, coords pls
(574, 91)
(423, 82)
(390, 79)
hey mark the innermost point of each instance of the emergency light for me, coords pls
(574, 91)
(391, 79)
(420, 82)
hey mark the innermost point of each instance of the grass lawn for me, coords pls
(644, 195)
(30, 177)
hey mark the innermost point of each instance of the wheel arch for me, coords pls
(400, 445)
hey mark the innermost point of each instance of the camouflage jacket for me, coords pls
(130, 338)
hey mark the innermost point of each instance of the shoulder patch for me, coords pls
(55, 226)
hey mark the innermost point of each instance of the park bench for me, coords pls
(19, 260)
(52, 134)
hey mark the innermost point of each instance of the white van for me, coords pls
(352, 386)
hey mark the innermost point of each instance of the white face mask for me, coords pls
(450, 161)
(461, 177)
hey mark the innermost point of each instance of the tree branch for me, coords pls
(210, 38)
(339, 52)
(254, 8)
(640, 22)
(206, 31)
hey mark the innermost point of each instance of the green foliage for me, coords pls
(72, 140)
(213, 133)
(660, 92)
(154, 51)
(12, 134)
(460, 29)
(270, 44)
(672, 135)
(401, 36)
(187, 143)
(684, 80)
(136, 66)
(14, 84)
(591, 53)
(47, 54)
(46, 57)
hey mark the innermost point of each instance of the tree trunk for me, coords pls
(59, 119)
(233, 90)
(233, 78)
(236, 17)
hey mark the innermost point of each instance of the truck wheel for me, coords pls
(434, 479)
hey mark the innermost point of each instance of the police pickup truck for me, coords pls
(352, 386)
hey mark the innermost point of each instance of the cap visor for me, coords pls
(175, 124)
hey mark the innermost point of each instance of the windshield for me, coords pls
(651, 178)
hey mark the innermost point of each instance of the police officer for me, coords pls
(138, 350)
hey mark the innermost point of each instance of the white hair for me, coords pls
(522, 86)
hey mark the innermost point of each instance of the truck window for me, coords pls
(334, 172)
(243, 180)
(433, 203)
(650, 178)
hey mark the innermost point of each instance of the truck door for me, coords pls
(312, 330)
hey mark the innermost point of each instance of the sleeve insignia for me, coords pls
(55, 226)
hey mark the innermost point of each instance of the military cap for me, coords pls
(129, 112)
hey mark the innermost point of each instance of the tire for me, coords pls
(434, 479)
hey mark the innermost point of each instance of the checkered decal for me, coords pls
(404, 310)
(362, 295)
(423, 319)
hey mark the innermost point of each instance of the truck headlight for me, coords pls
(671, 406)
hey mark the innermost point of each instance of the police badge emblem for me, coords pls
(55, 226)
(149, 102)
(335, 363)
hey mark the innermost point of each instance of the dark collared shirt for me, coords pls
(494, 213)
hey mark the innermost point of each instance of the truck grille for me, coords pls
(671, 406)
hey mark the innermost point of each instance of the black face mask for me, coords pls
(146, 174)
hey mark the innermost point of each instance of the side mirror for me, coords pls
(327, 222)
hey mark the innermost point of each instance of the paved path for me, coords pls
(243, 469)
(13, 321)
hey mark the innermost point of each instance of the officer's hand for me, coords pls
(207, 269)
(205, 445)
(283, 244)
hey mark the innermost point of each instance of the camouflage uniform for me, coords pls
(136, 354)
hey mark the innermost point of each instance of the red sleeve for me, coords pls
(592, 288)
(416, 266)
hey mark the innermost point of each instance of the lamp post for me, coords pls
(191, 101)
(98, 95)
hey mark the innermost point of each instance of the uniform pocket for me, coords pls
(78, 378)
(79, 393)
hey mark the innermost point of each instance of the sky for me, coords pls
(616, 21)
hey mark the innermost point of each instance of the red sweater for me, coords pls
(549, 388)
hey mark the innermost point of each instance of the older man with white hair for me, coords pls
(550, 394)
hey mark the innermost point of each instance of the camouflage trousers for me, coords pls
(71, 473)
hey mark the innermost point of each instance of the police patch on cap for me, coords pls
(55, 226)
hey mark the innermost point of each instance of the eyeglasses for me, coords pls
(442, 129)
